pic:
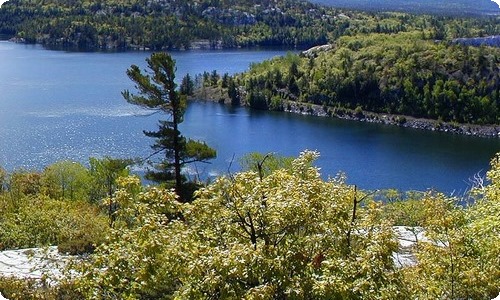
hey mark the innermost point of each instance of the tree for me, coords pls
(288, 234)
(104, 172)
(140, 235)
(265, 164)
(279, 235)
(460, 256)
(232, 92)
(23, 183)
(187, 85)
(157, 92)
(66, 180)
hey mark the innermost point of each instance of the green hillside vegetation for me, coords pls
(276, 231)
(385, 73)
(166, 24)
(109, 24)
(57, 206)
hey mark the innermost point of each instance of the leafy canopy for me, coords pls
(282, 235)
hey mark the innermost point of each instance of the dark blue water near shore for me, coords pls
(58, 105)
(372, 155)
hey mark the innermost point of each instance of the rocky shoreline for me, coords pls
(486, 131)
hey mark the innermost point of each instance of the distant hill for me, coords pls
(166, 24)
(448, 7)
(384, 73)
(192, 24)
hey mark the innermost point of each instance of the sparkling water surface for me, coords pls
(57, 105)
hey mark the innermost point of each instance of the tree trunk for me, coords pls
(175, 102)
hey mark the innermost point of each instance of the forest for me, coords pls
(186, 24)
(405, 73)
(167, 25)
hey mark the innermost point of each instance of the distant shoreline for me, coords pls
(484, 131)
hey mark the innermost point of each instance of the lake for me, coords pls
(57, 105)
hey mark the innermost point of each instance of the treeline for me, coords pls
(159, 24)
(385, 73)
(276, 230)
(166, 24)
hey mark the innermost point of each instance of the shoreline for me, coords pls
(483, 131)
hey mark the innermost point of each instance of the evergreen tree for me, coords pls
(157, 92)
(232, 91)
(187, 85)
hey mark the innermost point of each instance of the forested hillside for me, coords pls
(403, 73)
(446, 7)
(160, 24)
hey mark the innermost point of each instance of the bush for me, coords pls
(80, 245)
(24, 289)
(358, 112)
(401, 120)
(41, 221)
(32, 289)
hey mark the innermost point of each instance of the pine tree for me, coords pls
(187, 86)
(157, 91)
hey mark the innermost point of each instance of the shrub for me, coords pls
(42, 221)
(358, 112)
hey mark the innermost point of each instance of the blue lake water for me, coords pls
(57, 105)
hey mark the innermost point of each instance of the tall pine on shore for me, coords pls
(156, 91)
